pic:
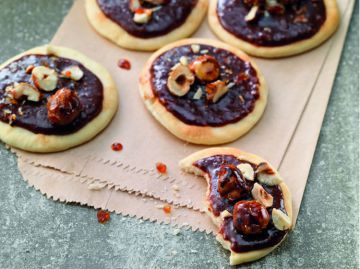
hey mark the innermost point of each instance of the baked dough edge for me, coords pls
(205, 135)
(112, 31)
(186, 165)
(326, 30)
(24, 139)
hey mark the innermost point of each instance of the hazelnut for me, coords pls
(250, 217)
(44, 78)
(281, 220)
(73, 72)
(267, 175)
(215, 90)
(246, 170)
(261, 195)
(180, 79)
(206, 68)
(22, 89)
(231, 184)
(63, 107)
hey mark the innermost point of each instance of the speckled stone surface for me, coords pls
(39, 233)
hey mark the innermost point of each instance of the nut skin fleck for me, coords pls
(63, 107)
(250, 217)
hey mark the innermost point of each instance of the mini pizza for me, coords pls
(54, 98)
(145, 24)
(203, 91)
(247, 200)
(274, 28)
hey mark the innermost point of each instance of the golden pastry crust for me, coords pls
(205, 135)
(327, 29)
(187, 166)
(112, 31)
(23, 139)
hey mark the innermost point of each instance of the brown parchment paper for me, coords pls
(69, 188)
(291, 83)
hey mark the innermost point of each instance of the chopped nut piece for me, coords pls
(247, 171)
(300, 19)
(198, 94)
(175, 187)
(74, 72)
(180, 79)
(44, 78)
(96, 186)
(242, 100)
(22, 89)
(225, 214)
(261, 195)
(252, 13)
(63, 107)
(12, 118)
(195, 48)
(215, 90)
(142, 15)
(29, 69)
(266, 175)
(230, 85)
(184, 60)
(206, 68)
(281, 220)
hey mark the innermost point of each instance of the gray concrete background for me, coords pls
(39, 233)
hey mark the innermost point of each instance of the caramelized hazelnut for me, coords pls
(250, 217)
(206, 68)
(231, 184)
(63, 107)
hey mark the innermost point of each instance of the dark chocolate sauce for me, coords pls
(33, 116)
(229, 109)
(240, 242)
(169, 17)
(273, 30)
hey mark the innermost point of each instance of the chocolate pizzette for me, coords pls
(145, 24)
(203, 91)
(247, 200)
(54, 98)
(274, 28)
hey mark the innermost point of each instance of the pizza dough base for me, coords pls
(327, 29)
(205, 135)
(24, 139)
(187, 166)
(115, 33)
